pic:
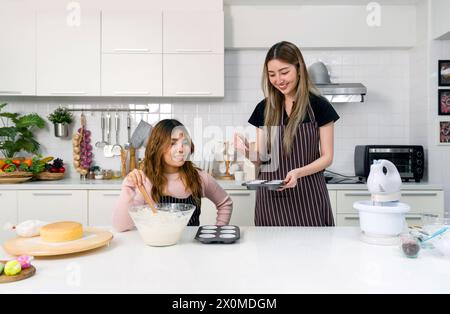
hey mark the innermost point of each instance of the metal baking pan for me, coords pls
(218, 234)
(256, 184)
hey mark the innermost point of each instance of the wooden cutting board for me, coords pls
(92, 238)
(24, 274)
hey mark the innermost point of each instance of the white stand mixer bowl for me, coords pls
(386, 220)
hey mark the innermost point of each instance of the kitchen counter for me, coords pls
(77, 184)
(264, 260)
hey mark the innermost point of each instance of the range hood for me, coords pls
(335, 92)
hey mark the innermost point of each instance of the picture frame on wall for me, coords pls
(444, 72)
(444, 102)
(443, 131)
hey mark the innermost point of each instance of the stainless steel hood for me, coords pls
(335, 92)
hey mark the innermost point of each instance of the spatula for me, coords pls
(147, 199)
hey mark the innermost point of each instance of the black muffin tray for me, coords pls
(218, 234)
(256, 184)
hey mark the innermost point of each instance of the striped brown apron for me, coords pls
(308, 203)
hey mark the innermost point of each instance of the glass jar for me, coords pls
(410, 245)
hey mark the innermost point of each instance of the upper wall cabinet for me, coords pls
(131, 53)
(17, 52)
(193, 32)
(193, 54)
(440, 23)
(131, 32)
(193, 75)
(132, 74)
(68, 53)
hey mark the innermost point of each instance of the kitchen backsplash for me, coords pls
(381, 119)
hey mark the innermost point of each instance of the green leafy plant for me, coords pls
(16, 134)
(61, 115)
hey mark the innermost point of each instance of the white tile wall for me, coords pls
(382, 119)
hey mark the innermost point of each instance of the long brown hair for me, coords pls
(159, 140)
(289, 53)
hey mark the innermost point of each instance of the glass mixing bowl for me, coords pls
(164, 227)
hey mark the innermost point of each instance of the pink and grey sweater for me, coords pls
(131, 196)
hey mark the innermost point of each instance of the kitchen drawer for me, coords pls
(101, 206)
(53, 205)
(352, 220)
(243, 209)
(426, 201)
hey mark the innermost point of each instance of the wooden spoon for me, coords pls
(147, 199)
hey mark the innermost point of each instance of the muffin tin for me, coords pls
(271, 185)
(218, 234)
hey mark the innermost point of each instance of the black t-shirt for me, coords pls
(323, 112)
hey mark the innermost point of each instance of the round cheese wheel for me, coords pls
(61, 231)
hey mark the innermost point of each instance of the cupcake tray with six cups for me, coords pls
(218, 234)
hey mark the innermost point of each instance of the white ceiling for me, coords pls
(319, 2)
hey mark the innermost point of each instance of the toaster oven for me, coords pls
(409, 159)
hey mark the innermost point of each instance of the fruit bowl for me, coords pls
(49, 175)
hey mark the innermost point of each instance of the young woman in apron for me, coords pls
(169, 177)
(295, 139)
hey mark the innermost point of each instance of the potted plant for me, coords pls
(61, 119)
(16, 132)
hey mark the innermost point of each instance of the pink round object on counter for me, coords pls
(25, 261)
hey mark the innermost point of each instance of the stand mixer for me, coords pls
(382, 219)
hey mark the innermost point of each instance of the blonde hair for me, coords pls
(289, 53)
(153, 163)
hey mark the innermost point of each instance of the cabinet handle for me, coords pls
(131, 93)
(239, 193)
(351, 218)
(131, 50)
(193, 50)
(419, 194)
(9, 92)
(51, 194)
(111, 194)
(357, 194)
(193, 93)
(68, 93)
(412, 217)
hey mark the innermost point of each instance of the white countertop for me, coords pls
(77, 184)
(264, 260)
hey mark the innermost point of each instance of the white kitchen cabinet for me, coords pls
(352, 220)
(420, 201)
(101, 206)
(53, 205)
(131, 31)
(243, 209)
(333, 199)
(131, 74)
(193, 75)
(18, 50)
(68, 53)
(193, 32)
(8, 201)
